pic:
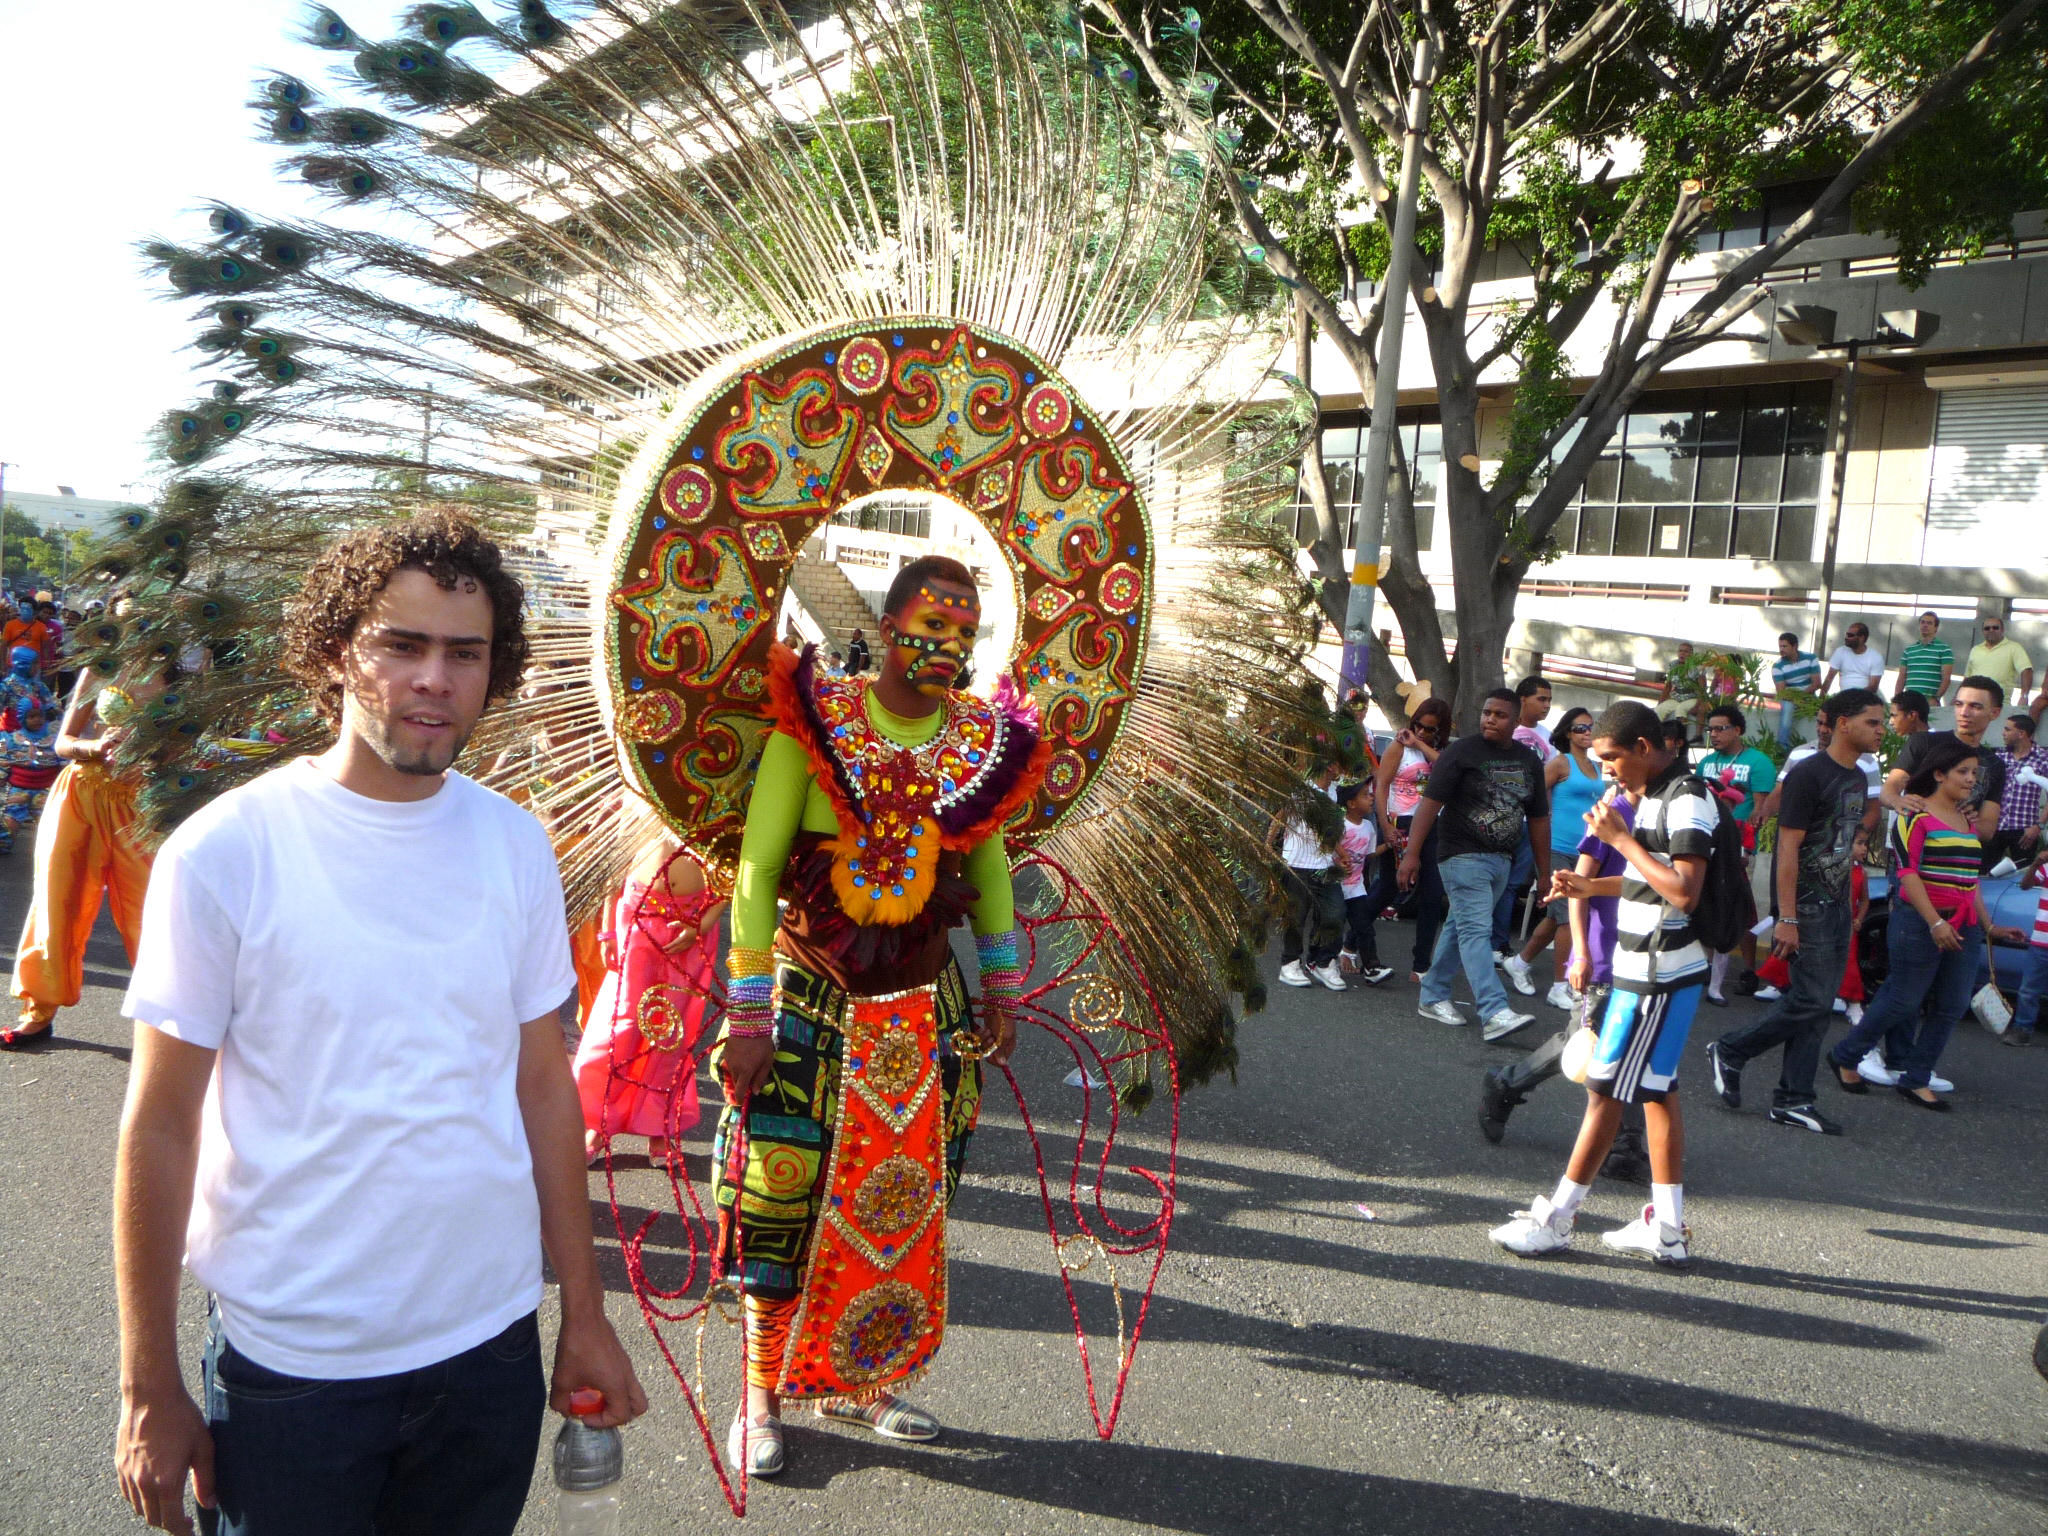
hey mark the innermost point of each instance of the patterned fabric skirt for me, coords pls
(837, 1194)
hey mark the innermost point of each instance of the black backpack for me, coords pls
(1726, 907)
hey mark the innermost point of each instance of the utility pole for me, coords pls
(426, 433)
(1379, 450)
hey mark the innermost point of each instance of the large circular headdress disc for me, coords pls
(726, 493)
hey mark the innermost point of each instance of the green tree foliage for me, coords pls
(1587, 144)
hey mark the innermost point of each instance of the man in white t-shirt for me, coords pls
(349, 1111)
(1854, 664)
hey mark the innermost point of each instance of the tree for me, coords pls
(1534, 105)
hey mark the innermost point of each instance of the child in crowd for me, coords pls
(30, 753)
(1360, 841)
(2034, 981)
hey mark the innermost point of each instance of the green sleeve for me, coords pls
(773, 816)
(1763, 775)
(988, 867)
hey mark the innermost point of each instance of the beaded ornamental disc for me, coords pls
(753, 462)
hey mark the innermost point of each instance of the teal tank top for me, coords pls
(1569, 802)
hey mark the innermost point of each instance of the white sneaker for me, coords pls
(1500, 956)
(1330, 976)
(1294, 974)
(1539, 1230)
(1841, 1005)
(1505, 1023)
(1560, 996)
(1873, 1070)
(1649, 1237)
(1767, 994)
(1939, 1083)
(1445, 1012)
(1517, 970)
(1854, 1013)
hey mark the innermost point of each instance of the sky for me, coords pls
(110, 134)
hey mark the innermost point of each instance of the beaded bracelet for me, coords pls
(996, 951)
(741, 962)
(750, 1007)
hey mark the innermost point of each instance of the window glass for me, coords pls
(1755, 531)
(1710, 530)
(1716, 480)
(1596, 530)
(1631, 530)
(1802, 473)
(1795, 533)
(1667, 534)
(1655, 474)
(1604, 478)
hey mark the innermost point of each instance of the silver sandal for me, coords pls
(763, 1454)
(889, 1417)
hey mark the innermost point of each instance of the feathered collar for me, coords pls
(898, 806)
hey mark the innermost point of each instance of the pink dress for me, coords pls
(636, 1064)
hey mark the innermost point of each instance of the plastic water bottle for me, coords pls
(589, 1464)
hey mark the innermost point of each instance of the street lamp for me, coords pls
(1813, 325)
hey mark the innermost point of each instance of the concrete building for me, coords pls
(1707, 519)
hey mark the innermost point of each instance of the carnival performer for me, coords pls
(23, 684)
(30, 753)
(849, 1060)
(85, 853)
(635, 1066)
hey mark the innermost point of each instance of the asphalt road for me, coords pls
(1851, 1353)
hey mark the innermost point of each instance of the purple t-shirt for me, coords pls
(1600, 910)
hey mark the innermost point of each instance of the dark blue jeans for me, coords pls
(446, 1450)
(1430, 902)
(1925, 992)
(1520, 871)
(1800, 1018)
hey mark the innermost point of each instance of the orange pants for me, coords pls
(586, 952)
(84, 851)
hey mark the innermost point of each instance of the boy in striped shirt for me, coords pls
(1660, 968)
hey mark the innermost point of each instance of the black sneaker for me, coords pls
(1745, 985)
(1496, 1102)
(1727, 1076)
(1374, 974)
(1804, 1117)
(1626, 1164)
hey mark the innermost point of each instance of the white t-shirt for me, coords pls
(365, 1201)
(1299, 847)
(1355, 850)
(1854, 671)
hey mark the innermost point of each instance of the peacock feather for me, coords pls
(553, 238)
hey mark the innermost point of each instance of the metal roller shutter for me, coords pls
(1987, 496)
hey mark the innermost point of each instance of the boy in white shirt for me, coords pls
(350, 1112)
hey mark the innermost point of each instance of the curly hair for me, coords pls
(345, 581)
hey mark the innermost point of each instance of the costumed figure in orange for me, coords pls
(849, 1058)
(635, 1063)
(86, 851)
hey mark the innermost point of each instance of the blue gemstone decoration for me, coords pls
(876, 892)
(895, 890)
(696, 453)
(1130, 618)
(660, 523)
(1059, 517)
(1030, 378)
(1131, 549)
(1093, 754)
(838, 1199)
(853, 864)
(639, 683)
(703, 605)
(1048, 810)
(974, 757)
(838, 730)
(861, 842)
(661, 757)
(792, 450)
(946, 785)
(917, 831)
(895, 341)
(910, 853)
(831, 358)
(861, 880)
(953, 418)
(888, 1247)
(1080, 425)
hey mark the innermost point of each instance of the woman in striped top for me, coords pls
(1934, 933)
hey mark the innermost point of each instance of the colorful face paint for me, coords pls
(934, 634)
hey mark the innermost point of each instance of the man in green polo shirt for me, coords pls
(1926, 666)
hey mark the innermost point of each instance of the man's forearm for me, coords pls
(1789, 839)
(154, 1168)
(554, 1137)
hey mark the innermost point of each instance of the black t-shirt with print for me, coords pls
(1990, 770)
(1488, 794)
(1825, 801)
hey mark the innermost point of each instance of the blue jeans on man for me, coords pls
(1788, 715)
(1473, 882)
(1519, 874)
(447, 1449)
(1924, 993)
(1800, 1018)
(2033, 987)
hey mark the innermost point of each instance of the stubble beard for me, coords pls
(425, 763)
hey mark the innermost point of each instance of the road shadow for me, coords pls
(1160, 1488)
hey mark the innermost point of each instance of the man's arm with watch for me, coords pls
(1786, 945)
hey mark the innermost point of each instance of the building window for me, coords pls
(910, 516)
(1343, 466)
(1709, 474)
(1771, 214)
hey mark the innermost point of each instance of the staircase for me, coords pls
(832, 602)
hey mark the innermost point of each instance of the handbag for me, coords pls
(1987, 1002)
